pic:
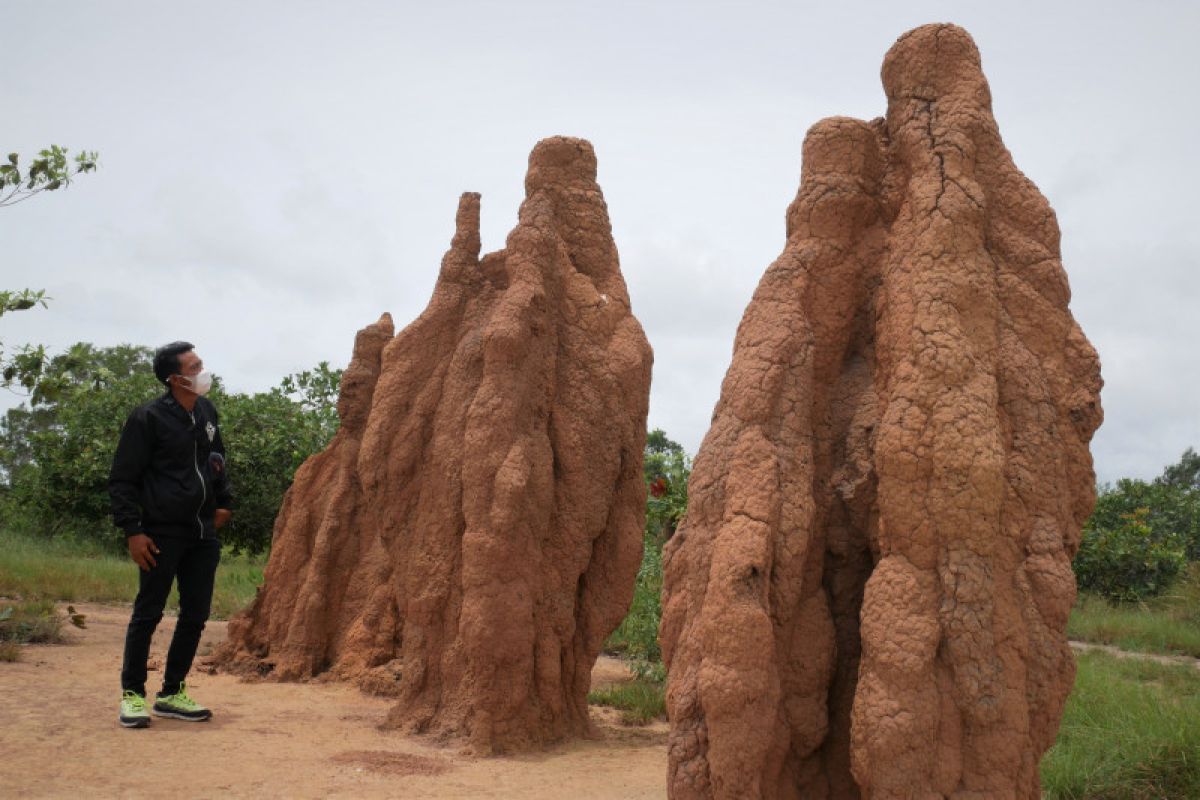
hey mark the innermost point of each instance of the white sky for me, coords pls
(276, 174)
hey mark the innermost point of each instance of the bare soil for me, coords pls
(59, 737)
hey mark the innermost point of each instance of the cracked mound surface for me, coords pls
(869, 594)
(471, 536)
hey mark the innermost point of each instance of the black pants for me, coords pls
(194, 563)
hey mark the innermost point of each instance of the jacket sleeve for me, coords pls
(125, 478)
(221, 479)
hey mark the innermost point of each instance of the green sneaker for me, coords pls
(180, 706)
(133, 711)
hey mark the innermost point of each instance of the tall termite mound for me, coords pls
(869, 594)
(472, 534)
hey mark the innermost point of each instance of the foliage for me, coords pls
(267, 437)
(637, 636)
(66, 569)
(1140, 533)
(1173, 509)
(56, 451)
(1131, 729)
(24, 367)
(1185, 474)
(666, 468)
(1125, 559)
(50, 171)
(21, 300)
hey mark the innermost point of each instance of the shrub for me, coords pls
(1172, 504)
(1127, 561)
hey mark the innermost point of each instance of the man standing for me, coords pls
(170, 495)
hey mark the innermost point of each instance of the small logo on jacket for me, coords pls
(211, 430)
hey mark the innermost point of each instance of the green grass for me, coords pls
(67, 570)
(642, 700)
(1131, 731)
(1169, 624)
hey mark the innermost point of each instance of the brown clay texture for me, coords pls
(869, 594)
(472, 534)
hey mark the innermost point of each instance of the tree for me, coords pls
(1185, 474)
(52, 170)
(56, 450)
(1139, 536)
(23, 368)
(268, 436)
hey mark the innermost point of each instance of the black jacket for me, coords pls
(168, 475)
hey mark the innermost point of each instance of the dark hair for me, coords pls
(166, 359)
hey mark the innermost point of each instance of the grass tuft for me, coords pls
(642, 701)
(1168, 625)
(27, 622)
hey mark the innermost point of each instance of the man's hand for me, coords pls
(221, 516)
(142, 550)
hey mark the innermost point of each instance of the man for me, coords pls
(170, 495)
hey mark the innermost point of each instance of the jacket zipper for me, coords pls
(203, 489)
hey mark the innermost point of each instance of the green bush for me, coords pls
(1124, 559)
(56, 451)
(267, 437)
(1172, 503)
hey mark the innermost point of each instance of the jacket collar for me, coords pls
(168, 400)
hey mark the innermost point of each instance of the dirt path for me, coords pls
(59, 738)
(1182, 661)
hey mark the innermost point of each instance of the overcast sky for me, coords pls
(275, 175)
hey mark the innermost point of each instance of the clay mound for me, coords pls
(901, 439)
(472, 534)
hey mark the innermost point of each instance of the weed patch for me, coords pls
(80, 570)
(27, 622)
(641, 700)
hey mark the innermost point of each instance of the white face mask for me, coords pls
(199, 383)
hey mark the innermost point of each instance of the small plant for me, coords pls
(1128, 561)
(30, 622)
(642, 700)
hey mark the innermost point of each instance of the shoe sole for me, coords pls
(177, 715)
(142, 722)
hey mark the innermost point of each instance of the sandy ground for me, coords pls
(59, 737)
